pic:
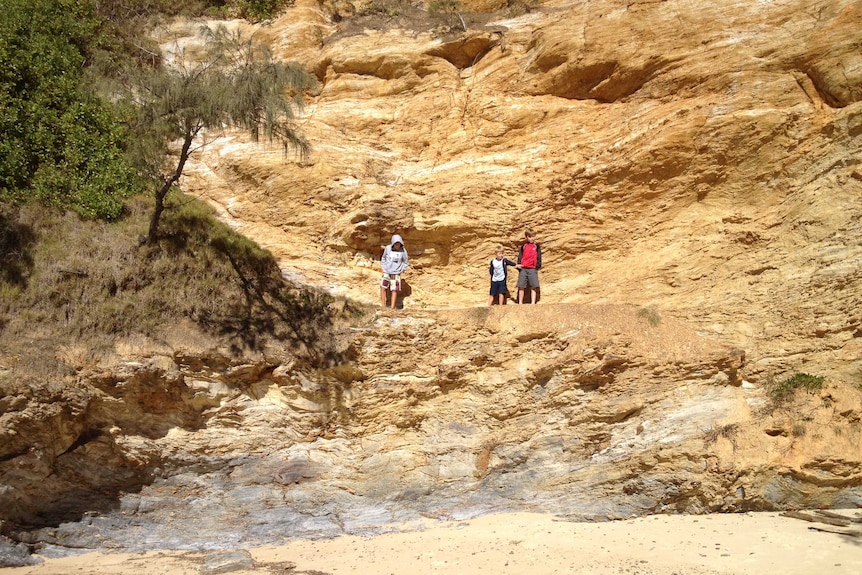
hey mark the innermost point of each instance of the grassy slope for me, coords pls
(67, 281)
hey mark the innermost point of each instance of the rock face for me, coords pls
(592, 412)
(703, 160)
(692, 173)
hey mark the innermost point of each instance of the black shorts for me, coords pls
(499, 288)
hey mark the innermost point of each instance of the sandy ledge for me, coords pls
(750, 543)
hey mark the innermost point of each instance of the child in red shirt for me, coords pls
(529, 262)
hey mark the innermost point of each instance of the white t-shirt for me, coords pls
(499, 274)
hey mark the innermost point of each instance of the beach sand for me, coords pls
(750, 543)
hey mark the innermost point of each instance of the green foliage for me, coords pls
(650, 315)
(130, 13)
(61, 145)
(123, 24)
(235, 83)
(785, 390)
(83, 282)
(387, 8)
(256, 10)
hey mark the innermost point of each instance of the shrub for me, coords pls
(61, 144)
(257, 10)
(729, 432)
(785, 390)
(388, 8)
(518, 7)
(448, 12)
(650, 315)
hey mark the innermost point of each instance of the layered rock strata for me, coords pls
(692, 172)
(592, 412)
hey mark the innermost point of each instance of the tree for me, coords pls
(236, 83)
(61, 144)
(447, 11)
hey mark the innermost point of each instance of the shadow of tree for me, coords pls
(16, 241)
(263, 305)
(200, 271)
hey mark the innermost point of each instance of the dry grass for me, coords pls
(75, 287)
(650, 315)
(728, 432)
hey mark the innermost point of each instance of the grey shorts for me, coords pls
(528, 276)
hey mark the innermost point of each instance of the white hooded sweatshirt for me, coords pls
(394, 261)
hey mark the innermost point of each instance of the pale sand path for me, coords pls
(753, 543)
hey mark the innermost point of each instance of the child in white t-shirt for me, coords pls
(499, 274)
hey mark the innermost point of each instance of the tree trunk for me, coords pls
(159, 207)
(155, 220)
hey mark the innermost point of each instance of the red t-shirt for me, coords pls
(529, 256)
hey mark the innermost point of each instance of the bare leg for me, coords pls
(383, 296)
(520, 295)
(533, 293)
(501, 299)
(394, 298)
(490, 300)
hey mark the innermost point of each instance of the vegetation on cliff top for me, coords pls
(62, 145)
(86, 283)
(72, 139)
(73, 266)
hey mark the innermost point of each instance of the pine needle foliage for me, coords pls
(234, 83)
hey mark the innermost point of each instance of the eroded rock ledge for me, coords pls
(593, 412)
(698, 161)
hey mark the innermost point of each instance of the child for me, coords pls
(529, 262)
(499, 273)
(394, 262)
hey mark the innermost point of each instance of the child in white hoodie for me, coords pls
(394, 262)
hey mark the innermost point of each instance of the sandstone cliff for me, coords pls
(692, 173)
(700, 159)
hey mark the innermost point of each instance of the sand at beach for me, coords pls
(751, 543)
